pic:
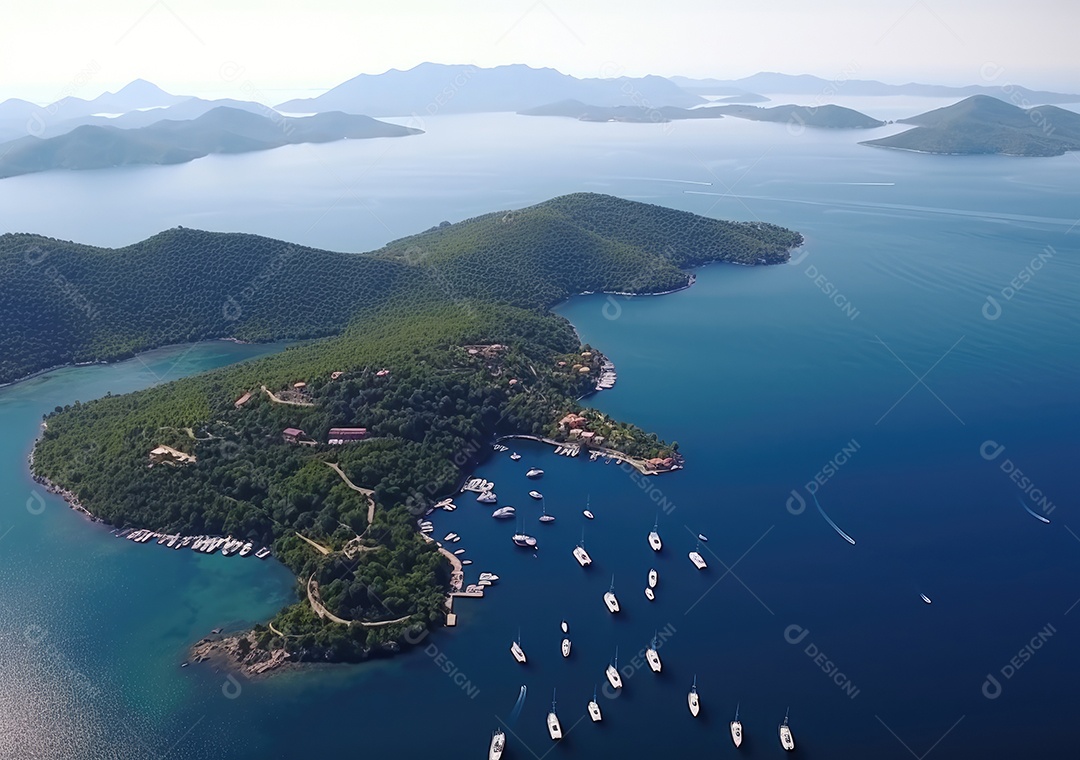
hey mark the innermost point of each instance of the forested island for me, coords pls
(220, 130)
(824, 116)
(982, 124)
(439, 343)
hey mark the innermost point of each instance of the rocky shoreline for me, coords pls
(240, 653)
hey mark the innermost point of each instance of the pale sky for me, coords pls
(272, 49)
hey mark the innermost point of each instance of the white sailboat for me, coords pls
(736, 729)
(612, 672)
(580, 554)
(692, 699)
(650, 594)
(653, 577)
(498, 744)
(536, 495)
(787, 741)
(517, 651)
(609, 598)
(653, 656)
(654, 536)
(587, 512)
(544, 516)
(696, 558)
(554, 727)
(594, 708)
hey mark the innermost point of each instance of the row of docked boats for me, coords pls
(205, 544)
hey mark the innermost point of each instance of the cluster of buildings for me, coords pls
(336, 437)
(575, 428)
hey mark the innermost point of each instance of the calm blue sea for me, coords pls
(873, 372)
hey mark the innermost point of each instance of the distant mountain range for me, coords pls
(220, 130)
(806, 84)
(829, 116)
(982, 124)
(433, 88)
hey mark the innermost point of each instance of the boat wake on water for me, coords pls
(835, 527)
(516, 712)
(1034, 514)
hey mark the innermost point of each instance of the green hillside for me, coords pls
(443, 341)
(72, 303)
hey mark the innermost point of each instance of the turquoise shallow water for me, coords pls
(763, 375)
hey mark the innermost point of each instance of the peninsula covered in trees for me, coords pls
(824, 116)
(438, 343)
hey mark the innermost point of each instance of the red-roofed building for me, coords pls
(339, 436)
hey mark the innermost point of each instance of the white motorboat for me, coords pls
(503, 512)
(692, 699)
(588, 514)
(565, 627)
(487, 497)
(535, 473)
(566, 646)
(650, 594)
(652, 578)
(609, 598)
(536, 494)
(450, 536)
(612, 672)
(498, 744)
(654, 536)
(515, 456)
(489, 577)
(925, 598)
(787, 740)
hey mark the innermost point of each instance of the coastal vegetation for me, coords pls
(441, 347)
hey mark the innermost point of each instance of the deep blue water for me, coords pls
(761, 377)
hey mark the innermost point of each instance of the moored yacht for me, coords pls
(650, 594)
(609, 598)
(487, 497)
(565, 627)
(535, 473)
(536, 494)
(652, 578)
(246, 550)
(692, 699)
(503, 512)
(612, 672)
(554, 727)
(517, 651)
(736, 729)
(515, 456)
(489, 577)
(498, 744)
(594, 708)
(654, 536)
(566, 646)
(580, 554)
(653, 656)
(545, 517)
(787, 741)
(696, 558)
(586, 511)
